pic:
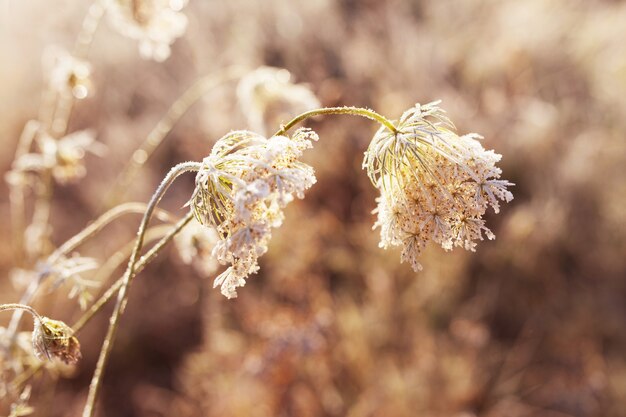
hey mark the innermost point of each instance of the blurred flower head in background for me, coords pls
(156, 24)
(268, 97)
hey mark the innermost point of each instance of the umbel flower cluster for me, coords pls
(434, 185)
(241, 191)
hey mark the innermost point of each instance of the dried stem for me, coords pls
(116, 259)
(104, 298)
(72, 244)
(100, 222)
(145, 259)
(354, 111)
(122, 297)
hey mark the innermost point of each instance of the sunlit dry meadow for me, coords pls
(531, 324)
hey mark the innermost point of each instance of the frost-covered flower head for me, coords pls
(241, 191)
(268, 97)
(64, 156)
(156, 24)
(67, 74)
(435, 185)
(54, 339)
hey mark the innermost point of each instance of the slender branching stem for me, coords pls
(145, 259)
(100, 222)
(176, 111)
(116, 259)
(122, 296)
(354, 111)
(104, 298)
(72, 244)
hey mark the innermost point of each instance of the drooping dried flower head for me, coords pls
(435, 185)
(241, 191)
(268, 97)
(67, 74)
(54, 339)
(156, 24)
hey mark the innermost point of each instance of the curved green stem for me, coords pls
(354, 111)
(122, 296)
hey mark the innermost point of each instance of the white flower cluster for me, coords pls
(156, 24)
(241, 190)
(435, 185)
(268, 97)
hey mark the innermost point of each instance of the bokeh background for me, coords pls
(533, 324)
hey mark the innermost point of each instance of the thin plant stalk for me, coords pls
(118, 258)
(104, 298)
(176, 111)
(73, 243)
(354, 111)
(100, 222)
(145, 259)
(122, 297)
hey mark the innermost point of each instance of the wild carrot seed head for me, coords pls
(241, 191)
(435, 185)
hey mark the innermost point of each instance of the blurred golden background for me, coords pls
(533, 324)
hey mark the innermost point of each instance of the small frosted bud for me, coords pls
(54, 339)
